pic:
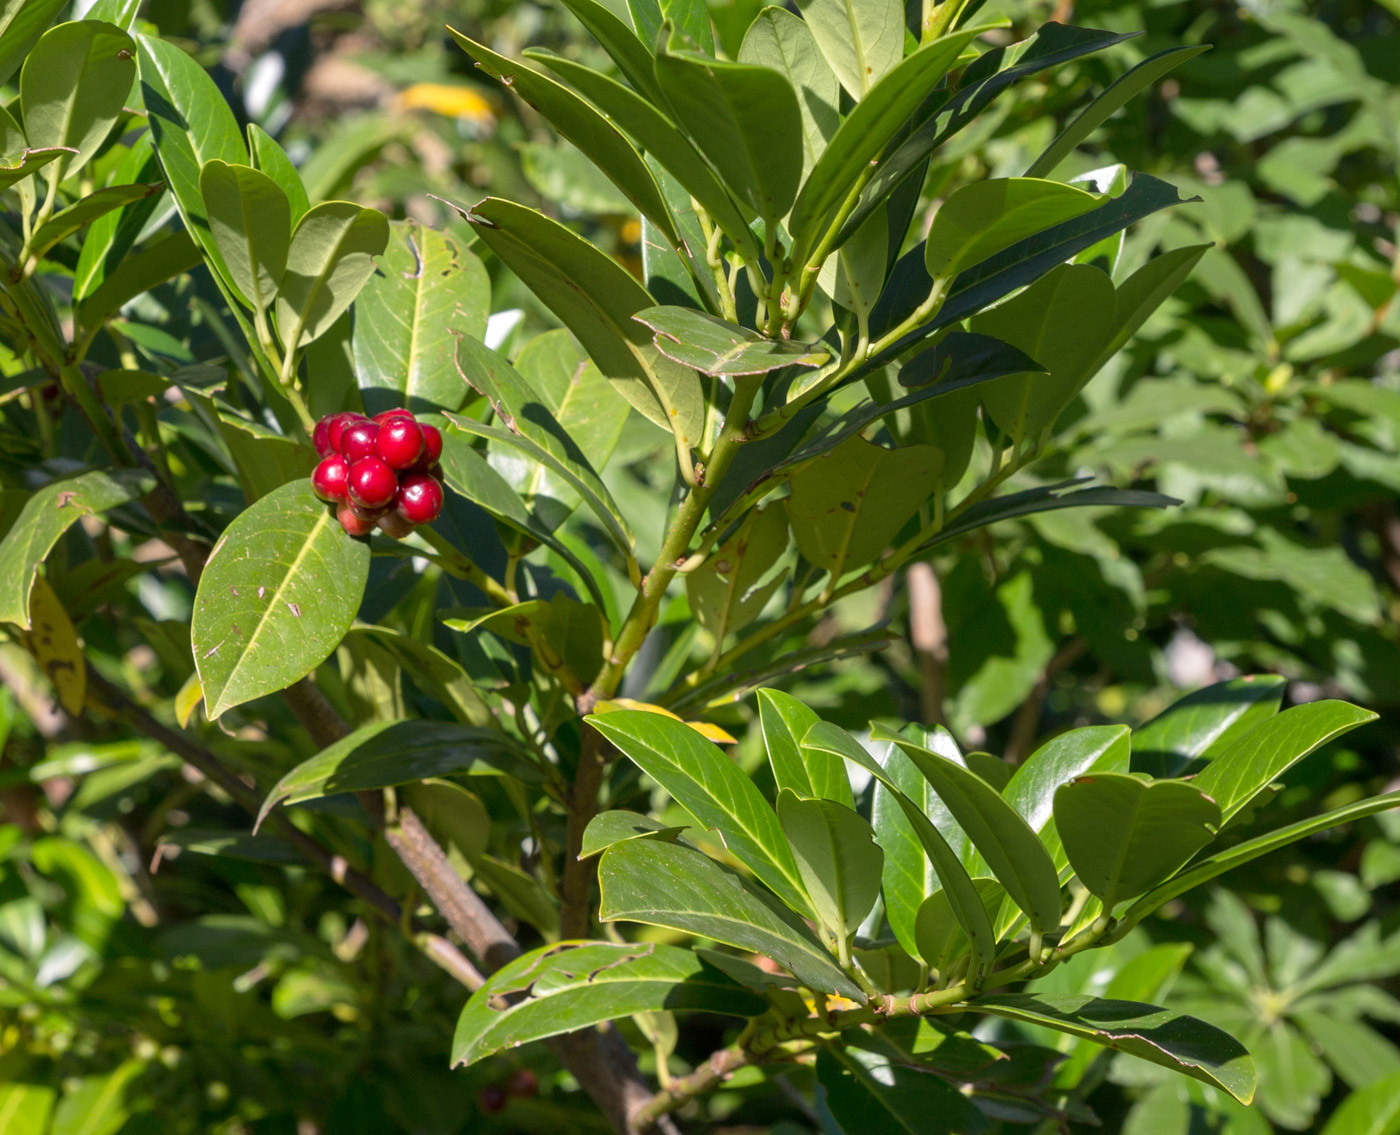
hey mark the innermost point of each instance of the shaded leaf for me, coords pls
(250, 220)
(22, 22)
(838, 858)
(608, 828)
(329, 261)
(715, 346)
(806, 770)
(862, 40)
(784, 42)
(728, 591)
(1204, 723)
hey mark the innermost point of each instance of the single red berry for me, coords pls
(358, 440)
(330, 478)
(394, 526)
(336, 426)
(353, 524)
(432, 444)
(419, 499)
(372, 483)
(523, 1082)
(400, 443)
(389, 415)
(491, 1099)
(321, 436)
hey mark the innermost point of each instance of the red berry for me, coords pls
(353, 524)
(358, 440)
(400, 443)
(491, 1099)
(372, 483)
(336, 426)
(321, 436)
(394, 526)
(432, 444)
(523, 1082)
(330, 478)
(419, 500)
(389, 415)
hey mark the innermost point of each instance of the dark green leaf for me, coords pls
(566, 635)
(434, 673)
(715, 346)
(608, 828)
(666, 884)
(1144, 291)
(838, 859)
(135, 275)
(574, 985)
(1204, 723)
(1124, 835)
(250, 220)
(1047, 498)
(807, 771)
(330, 259)
(873, 1086)
(728, 591)
(82, 213)
(280, 590)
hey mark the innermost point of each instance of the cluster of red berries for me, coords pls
(381, 472)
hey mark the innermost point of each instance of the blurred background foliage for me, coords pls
(161, 988)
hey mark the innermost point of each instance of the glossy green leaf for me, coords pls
(1112, 98)
(1204, 723)
(608, 828)
(784, 42)
(1245, 769)
(427, 292)
(807, 771)
(984, 217)
(272, 160)
(585, 127)
(46, 516)
(715, 346)
(886, 104)
(862, 40)
(1160, 1036)
(1063, 322)
(595, 298)
(728, 591)
(82, 213)
(632, 56)
(388, 753)
(72, 88)
(574, 985)
(330, 259)
(1008, 844)
(745, 119)
(263, 459)
(1123, 835)
(280, 590)
(710, 786)
(250, 219)
(965, 900)
(848, 504)
(22, 22)
(1373, 1110)
(667, 884)
(661, 139)
(191, 123)
(838, 858)
(875, 1086)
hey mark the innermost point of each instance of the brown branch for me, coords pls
(1026, 723)
(928, 635)
(576, 885)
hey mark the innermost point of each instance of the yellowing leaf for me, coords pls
(704, 728)
(188, 699)
(54, 643)
(449, 101)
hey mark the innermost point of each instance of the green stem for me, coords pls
(457, 563)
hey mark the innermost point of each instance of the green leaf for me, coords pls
(250, 220)
(862, 40)
(135, 275)
(728, 591)
(1008, 844)
(963, 895)
(609, 828)
(1112, 98)
(984, 217)
(272, 160)
(938, 936)
(25, 1108)
(22, 22)
(330, 259)
(585, 127)
(632, 56)
(72, 88)
(1062, 321)
(690, 19)
(666, 884)
(838, 858)
(46, 516)
(807, 771)
(388, 753)
(745, 119)
(1160, 1036)
(82, 213)
(882, 110)
(784, 42)
(1373, 1110)
(1204, 723)
(595, 298)
(1144, 291)
(428, 290)
(191, 123)
(263, 460)
(97, 1105)
(566, 635)
(715, 346)
(661, 139)
(434, 673)
(26, 164)
(526, 424)
(875, 1087)
(1244, 770)
(574, 985)
(708, 785)
(280, 590)
(848, 504)
(1123, 835)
